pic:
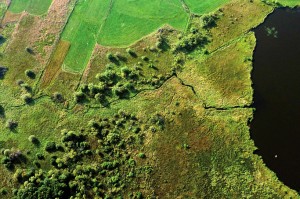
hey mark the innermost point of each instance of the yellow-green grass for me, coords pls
(55, 63)
(290, 3)
(204, 6)
(239, 16)
(36, 7)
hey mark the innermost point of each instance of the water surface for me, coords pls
(276, 77)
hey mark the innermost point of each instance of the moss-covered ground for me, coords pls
(165, 117)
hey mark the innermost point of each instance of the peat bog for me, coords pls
(276, 81)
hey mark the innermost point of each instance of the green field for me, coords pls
(36, 7)
(130, 20)
(82, 30)
(115, 23)
(205, 6)
(120, 23)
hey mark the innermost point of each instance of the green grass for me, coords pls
(130, 20)
(290, 3)
(205, 6)
(36, 7)
(117, 24)
(81, 31)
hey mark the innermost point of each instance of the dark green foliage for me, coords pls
(40, 156)
(57, 97)
(27, 98)
(141, 155)
(11, 124)
(79, 97)
(131, 52)
(191, 41)
(3, 71)
(33, 139)
(3, 191)
(30, 74)
(2, 111)
(29, 50)
(209, 21)
(50, 147)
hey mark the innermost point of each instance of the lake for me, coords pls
(275, 128)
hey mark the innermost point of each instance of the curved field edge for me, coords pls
(121, 25)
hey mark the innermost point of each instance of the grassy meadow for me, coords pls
(205, 6)
(175, 122)
(35, 7)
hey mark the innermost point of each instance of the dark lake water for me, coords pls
(276, 78)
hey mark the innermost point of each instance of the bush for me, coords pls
(131, 52)
(33, 139)
(20, 82)
(79, 97)
(10, 124)
(3, 71)
(50, 147)
(26, 87)
(141, 155)
(57, 97)
(30, 74)
(27, 98)
(40, 156)
(2, 110)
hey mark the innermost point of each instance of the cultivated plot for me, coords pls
(36, 7)
(116, 23)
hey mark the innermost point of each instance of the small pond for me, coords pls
(276, 82)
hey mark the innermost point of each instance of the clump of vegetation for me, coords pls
(57, 97)
(50, 147)
(11, 124)
(27, 98)
(3, 71)
(209, 21)
(33, 139)
(2, 111)
(192, 40)
(30, 74)
(131, 52)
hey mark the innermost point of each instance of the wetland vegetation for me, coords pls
(131, 99)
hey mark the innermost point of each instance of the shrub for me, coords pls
(145, 58)
(57, 97)
(79, 97)
(110, 56)
(50, 147)
(3, 71)
(10, 124)
(131, 52)
(3, 191)
(27, 98)
(19, 82)
(26, 87)
(33, 139)
(2, 110)
(141, 155)
(40, 156)
(30, 74)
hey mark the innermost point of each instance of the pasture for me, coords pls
(205, 6)
(35, 7)
(115, 23)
